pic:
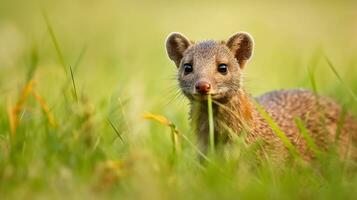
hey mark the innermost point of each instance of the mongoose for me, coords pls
(215, 68)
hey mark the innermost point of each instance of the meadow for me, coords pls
(90, 106)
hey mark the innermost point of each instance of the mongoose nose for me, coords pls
(203, 87)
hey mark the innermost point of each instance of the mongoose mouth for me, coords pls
(204, 97)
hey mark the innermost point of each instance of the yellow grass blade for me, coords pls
(164, 121)
(175, 133)
(159, 118)
(12, 117)
(45, 108)
(24, 95)
(13, 112)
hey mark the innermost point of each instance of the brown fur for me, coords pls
(234, 110)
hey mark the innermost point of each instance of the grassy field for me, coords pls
(77, 77)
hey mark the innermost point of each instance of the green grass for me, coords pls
(211, 125)
(98, 67)
(274, 126)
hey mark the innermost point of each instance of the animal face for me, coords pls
(209, 67)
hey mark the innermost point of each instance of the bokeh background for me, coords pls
(121, 71)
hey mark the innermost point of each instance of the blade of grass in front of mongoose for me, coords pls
(210, 124)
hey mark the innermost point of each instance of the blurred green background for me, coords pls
(121, 71)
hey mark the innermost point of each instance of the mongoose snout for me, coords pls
(203, 87)
(215, 68)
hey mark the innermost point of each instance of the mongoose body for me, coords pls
(215, 68)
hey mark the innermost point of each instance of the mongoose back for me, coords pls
(215, 68)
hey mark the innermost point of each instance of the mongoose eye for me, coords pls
(222, 68)
(187, 68)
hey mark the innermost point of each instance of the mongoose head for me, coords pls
(210, 67)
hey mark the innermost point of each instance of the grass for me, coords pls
(54, 39)
(353, 95)
(282, 136)
(79, 133)
(310, 142)
(211, 125)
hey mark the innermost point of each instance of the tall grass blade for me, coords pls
(310, 142)
(72, 71)
(74, 84)
(277, 130)
(60, 55)
(124, 115)
(80, 58)
(210, 124)
(115, 129)
(354, 96)
(311, 71)
(54, 40)
(33, 63)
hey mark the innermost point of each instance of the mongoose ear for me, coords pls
(241, 45)
(176, 45)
